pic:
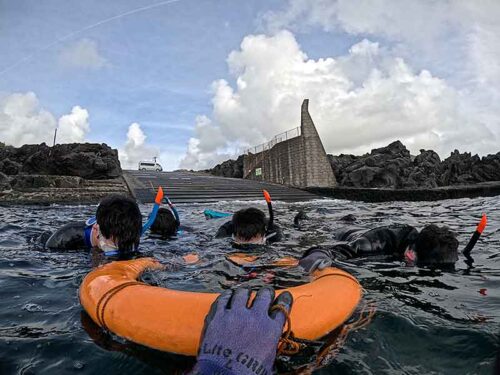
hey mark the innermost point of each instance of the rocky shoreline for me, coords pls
(392, 173)
(78, 173)
(392, 167)
(84, 173)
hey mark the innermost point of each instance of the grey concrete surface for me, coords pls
(194, 187)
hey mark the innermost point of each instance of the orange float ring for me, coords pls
(172, 320)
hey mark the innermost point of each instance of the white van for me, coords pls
(150, 166)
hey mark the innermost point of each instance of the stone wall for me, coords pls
(300, 162)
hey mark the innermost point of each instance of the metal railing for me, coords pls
(285, 136)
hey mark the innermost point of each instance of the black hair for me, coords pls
(436, 246)
(165, 223)
(249, 223)
(119, 218)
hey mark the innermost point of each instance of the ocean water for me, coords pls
(426, 322)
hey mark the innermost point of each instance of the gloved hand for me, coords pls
(315, 259)
(242, 341)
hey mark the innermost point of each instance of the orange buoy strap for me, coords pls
(106, 297)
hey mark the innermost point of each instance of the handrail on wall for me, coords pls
(289, 134)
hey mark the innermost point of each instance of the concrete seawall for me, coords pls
(298, 162)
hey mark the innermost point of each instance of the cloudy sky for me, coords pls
(195, 81)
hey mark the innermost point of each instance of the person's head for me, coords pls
(165, 224)
(436, 246)
(120, 221)
(249, 226)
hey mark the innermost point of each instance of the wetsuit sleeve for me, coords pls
(339, 251)
(348, 233)
(389, 240)
(69, 237)
(226, 230)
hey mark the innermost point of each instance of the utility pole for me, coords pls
(55, 135)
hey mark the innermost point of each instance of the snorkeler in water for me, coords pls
(433, 246)
(251, 232)
(249, 226)
(115, 229)
(166, 223)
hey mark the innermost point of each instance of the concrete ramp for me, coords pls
(193, 187)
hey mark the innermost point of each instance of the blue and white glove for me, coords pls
(241, 340)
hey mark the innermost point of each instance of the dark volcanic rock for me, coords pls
(86, 160)
(392, 167)
(4, 182)
(340, 162)
(10, 167)
(462, 169)
(458, 169)
(424, 172)
(382, 168)
(488, 169)
(229, 168)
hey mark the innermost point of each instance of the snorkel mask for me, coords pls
(108, 246)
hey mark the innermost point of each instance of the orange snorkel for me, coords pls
(159, 196)
(479, 230)
(267, 197)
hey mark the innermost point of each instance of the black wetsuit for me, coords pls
(71, 236)
(273, 234)
(354, 242)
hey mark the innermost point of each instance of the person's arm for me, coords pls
(70, 237)
(390, 240)
(238, 340)
(226, 230)
(318, 258)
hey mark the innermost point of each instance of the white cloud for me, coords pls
(136, 148)
(74, 126)
(22, 121)
(394, 19)
(366, 98)
(170, 159)
(83, 54)
(457, 40)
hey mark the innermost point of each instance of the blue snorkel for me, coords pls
(174, 211)
(154, 211)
